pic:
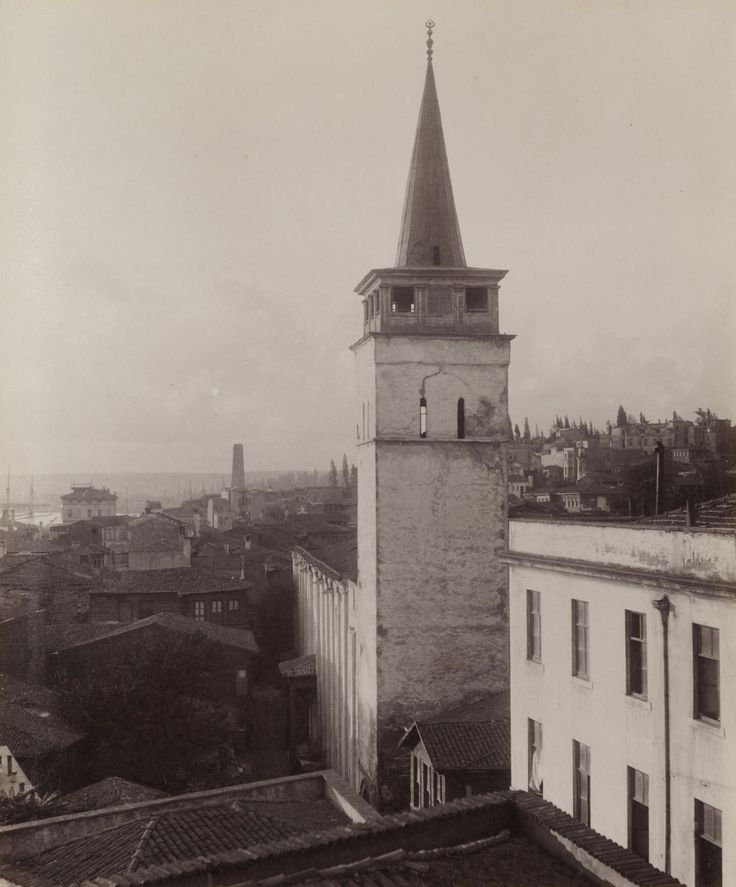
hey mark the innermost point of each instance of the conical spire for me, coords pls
(430, 234)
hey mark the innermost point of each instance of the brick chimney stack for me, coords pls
(238, 478)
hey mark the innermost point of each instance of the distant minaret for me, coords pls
(238, 478)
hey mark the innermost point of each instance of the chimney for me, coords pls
(238, 476)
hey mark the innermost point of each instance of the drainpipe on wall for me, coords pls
(665, 607)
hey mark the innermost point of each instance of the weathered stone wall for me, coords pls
(442, 613)
(441, 370)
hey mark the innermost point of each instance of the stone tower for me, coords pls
(431, 606)
(238, 478)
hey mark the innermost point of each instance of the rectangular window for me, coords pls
(426, 800)
(436, 787)
(536, 780)
(581, 781)
(533, 626)
(415, 780)
(402, 300)
(638, 792)
(241, 681)
(233, 605)
(580, 665)
(706, 654)
(216, 608)
(199, 611)
(636, 654)
(476, 299)
(708, 846)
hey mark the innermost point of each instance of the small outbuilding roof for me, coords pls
(472, 736)
(300, 667)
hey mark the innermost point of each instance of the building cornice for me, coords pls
(420, 275)
(652, 579)
(432, 333)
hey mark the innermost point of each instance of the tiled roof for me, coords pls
(500, 861)
(302, 666)
(178, 580)
(35, 571)
(164, 838)
(110, 792)
(521, 863)
(241, 638)
(59, 635)
(341, 557)
(625, 862)
(717, 513)
(467, 745)
(29, 725)
(87, 494)
(316, 523)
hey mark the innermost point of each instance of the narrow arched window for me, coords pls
(422, 417)
(460, 418)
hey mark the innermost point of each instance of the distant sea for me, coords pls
(132, 489)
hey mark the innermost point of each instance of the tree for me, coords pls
(642, 419)
(145, 710)
(567, 422)
(621, 418)
(353, 476)
(29, 806)
(345, 471)
(517, 433)
(332, 476)
(609, 426)
(527, 432)
(704, 417)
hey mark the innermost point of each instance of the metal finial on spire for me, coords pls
(429, 24)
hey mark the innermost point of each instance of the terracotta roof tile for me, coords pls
(31, 733)
(110, 792)
(168, 837)
(302, 666)
(178, 580)
(36, 571)
(242, 638)
(59, 635)
(464, 745)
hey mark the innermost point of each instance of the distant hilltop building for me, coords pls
(86, 501)
(238, 476)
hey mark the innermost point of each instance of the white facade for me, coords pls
(615, 569)
(326, 626)
(13, 781)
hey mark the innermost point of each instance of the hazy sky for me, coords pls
(189, 192)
